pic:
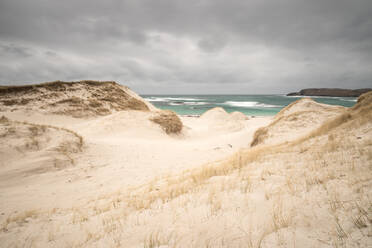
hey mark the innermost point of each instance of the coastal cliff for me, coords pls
(330, 92)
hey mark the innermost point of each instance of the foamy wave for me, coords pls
(169, 99)
(349, 100)
(250, 104)
(195, 103)
(155, 99)
(182, 99)
(187, 103)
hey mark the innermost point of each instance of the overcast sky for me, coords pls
(189, 46)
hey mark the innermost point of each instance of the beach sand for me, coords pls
(116, 178)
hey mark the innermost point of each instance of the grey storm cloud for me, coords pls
(196, 46)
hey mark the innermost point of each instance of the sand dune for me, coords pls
(23, 140)
(77, 99)
(218, 120)
(297, 119)
(306, 183)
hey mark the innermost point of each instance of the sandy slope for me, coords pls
(295, 120)
(133, 185)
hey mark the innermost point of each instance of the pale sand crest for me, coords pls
(119, 180)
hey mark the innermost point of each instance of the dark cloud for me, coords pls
(197, 46)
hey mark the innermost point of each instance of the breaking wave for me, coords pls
(169, 99)
(251, 104)
(187, 103)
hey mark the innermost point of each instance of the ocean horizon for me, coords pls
(252, 105)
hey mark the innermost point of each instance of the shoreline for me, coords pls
(250, 105)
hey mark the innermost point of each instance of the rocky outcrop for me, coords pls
(330, 92)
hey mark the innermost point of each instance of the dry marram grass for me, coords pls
(169, 121)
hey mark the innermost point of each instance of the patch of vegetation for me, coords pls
(95, 104)
(169, 121)
(10, 102)
(73, 100)
(259, 136)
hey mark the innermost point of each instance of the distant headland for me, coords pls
(330, 92)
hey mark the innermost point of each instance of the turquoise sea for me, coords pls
(258, 105)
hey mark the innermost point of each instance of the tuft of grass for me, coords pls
(156, 239)
(21, 218)
(33, 144)
(280, 219)
(169, 121)
(246, 185)
(95, 103)
(79, 216)
(340, 232)
(65, 149)
(10, 102)
(3, 120)
(259, 136)
(360, 221)
(73, 101)
(332, 144)
(80, 138)
(8, 131)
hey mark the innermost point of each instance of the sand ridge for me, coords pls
(78, 99)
